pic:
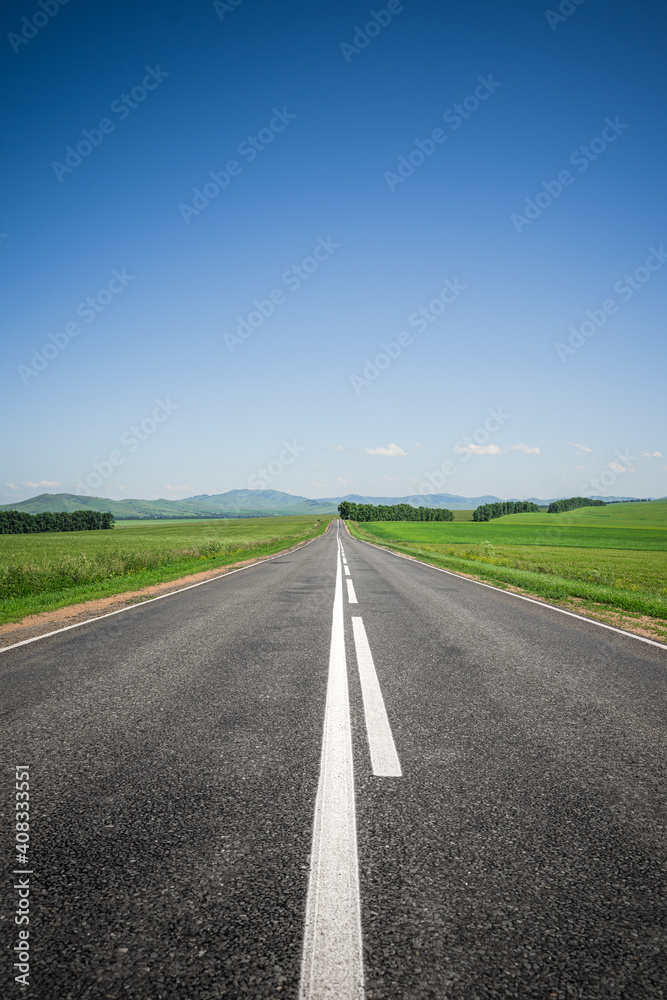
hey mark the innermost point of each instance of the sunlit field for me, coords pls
(614, 555)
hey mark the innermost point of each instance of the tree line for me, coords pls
(558, 506)
(18, 522)
(488, 510)
(396, 512)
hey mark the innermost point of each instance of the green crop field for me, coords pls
(42, 572)
(462, 515)
(619, 530)
(613, 556)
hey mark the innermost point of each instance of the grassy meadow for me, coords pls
(613, 557)
(42, 572)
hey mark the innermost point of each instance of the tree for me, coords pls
(396, 512)
(573, 503)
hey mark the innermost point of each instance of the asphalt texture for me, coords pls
(174, 755)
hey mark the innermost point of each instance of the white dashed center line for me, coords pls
(351, 596)
(332, 963)
(384, 758)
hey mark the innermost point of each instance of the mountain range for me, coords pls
(245, 503)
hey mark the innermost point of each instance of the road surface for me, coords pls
(338, 774)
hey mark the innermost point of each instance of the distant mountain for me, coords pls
(450, 500)
(246, 503)
(235, 503)
(264, 500)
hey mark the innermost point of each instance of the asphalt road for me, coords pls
(175, 752)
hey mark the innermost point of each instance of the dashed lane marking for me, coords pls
(384, 758)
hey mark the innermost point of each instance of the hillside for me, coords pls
(650, 514)
(236, 503)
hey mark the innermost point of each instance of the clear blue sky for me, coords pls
(306, 121)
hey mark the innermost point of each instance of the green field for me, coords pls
(462, 515)
(42, 572)
(624, 528)
(614, 556)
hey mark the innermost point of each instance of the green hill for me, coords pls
(235, 503)
(647, 514)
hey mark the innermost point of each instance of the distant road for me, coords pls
(340, 774)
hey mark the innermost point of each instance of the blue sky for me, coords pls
(165, 333)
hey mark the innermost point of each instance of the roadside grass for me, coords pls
(43, 572)
(629, 579)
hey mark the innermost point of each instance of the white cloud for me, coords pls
(493, 449)
(582, 449)
(43, 482)
(652, 454)
(479, 449)
(344, 482)
(12, 486)
(418, 446)
(337, 447)
(524, 448)
(617, 467)
(391, 451)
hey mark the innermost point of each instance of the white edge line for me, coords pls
(160, 597)
(510, 593)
